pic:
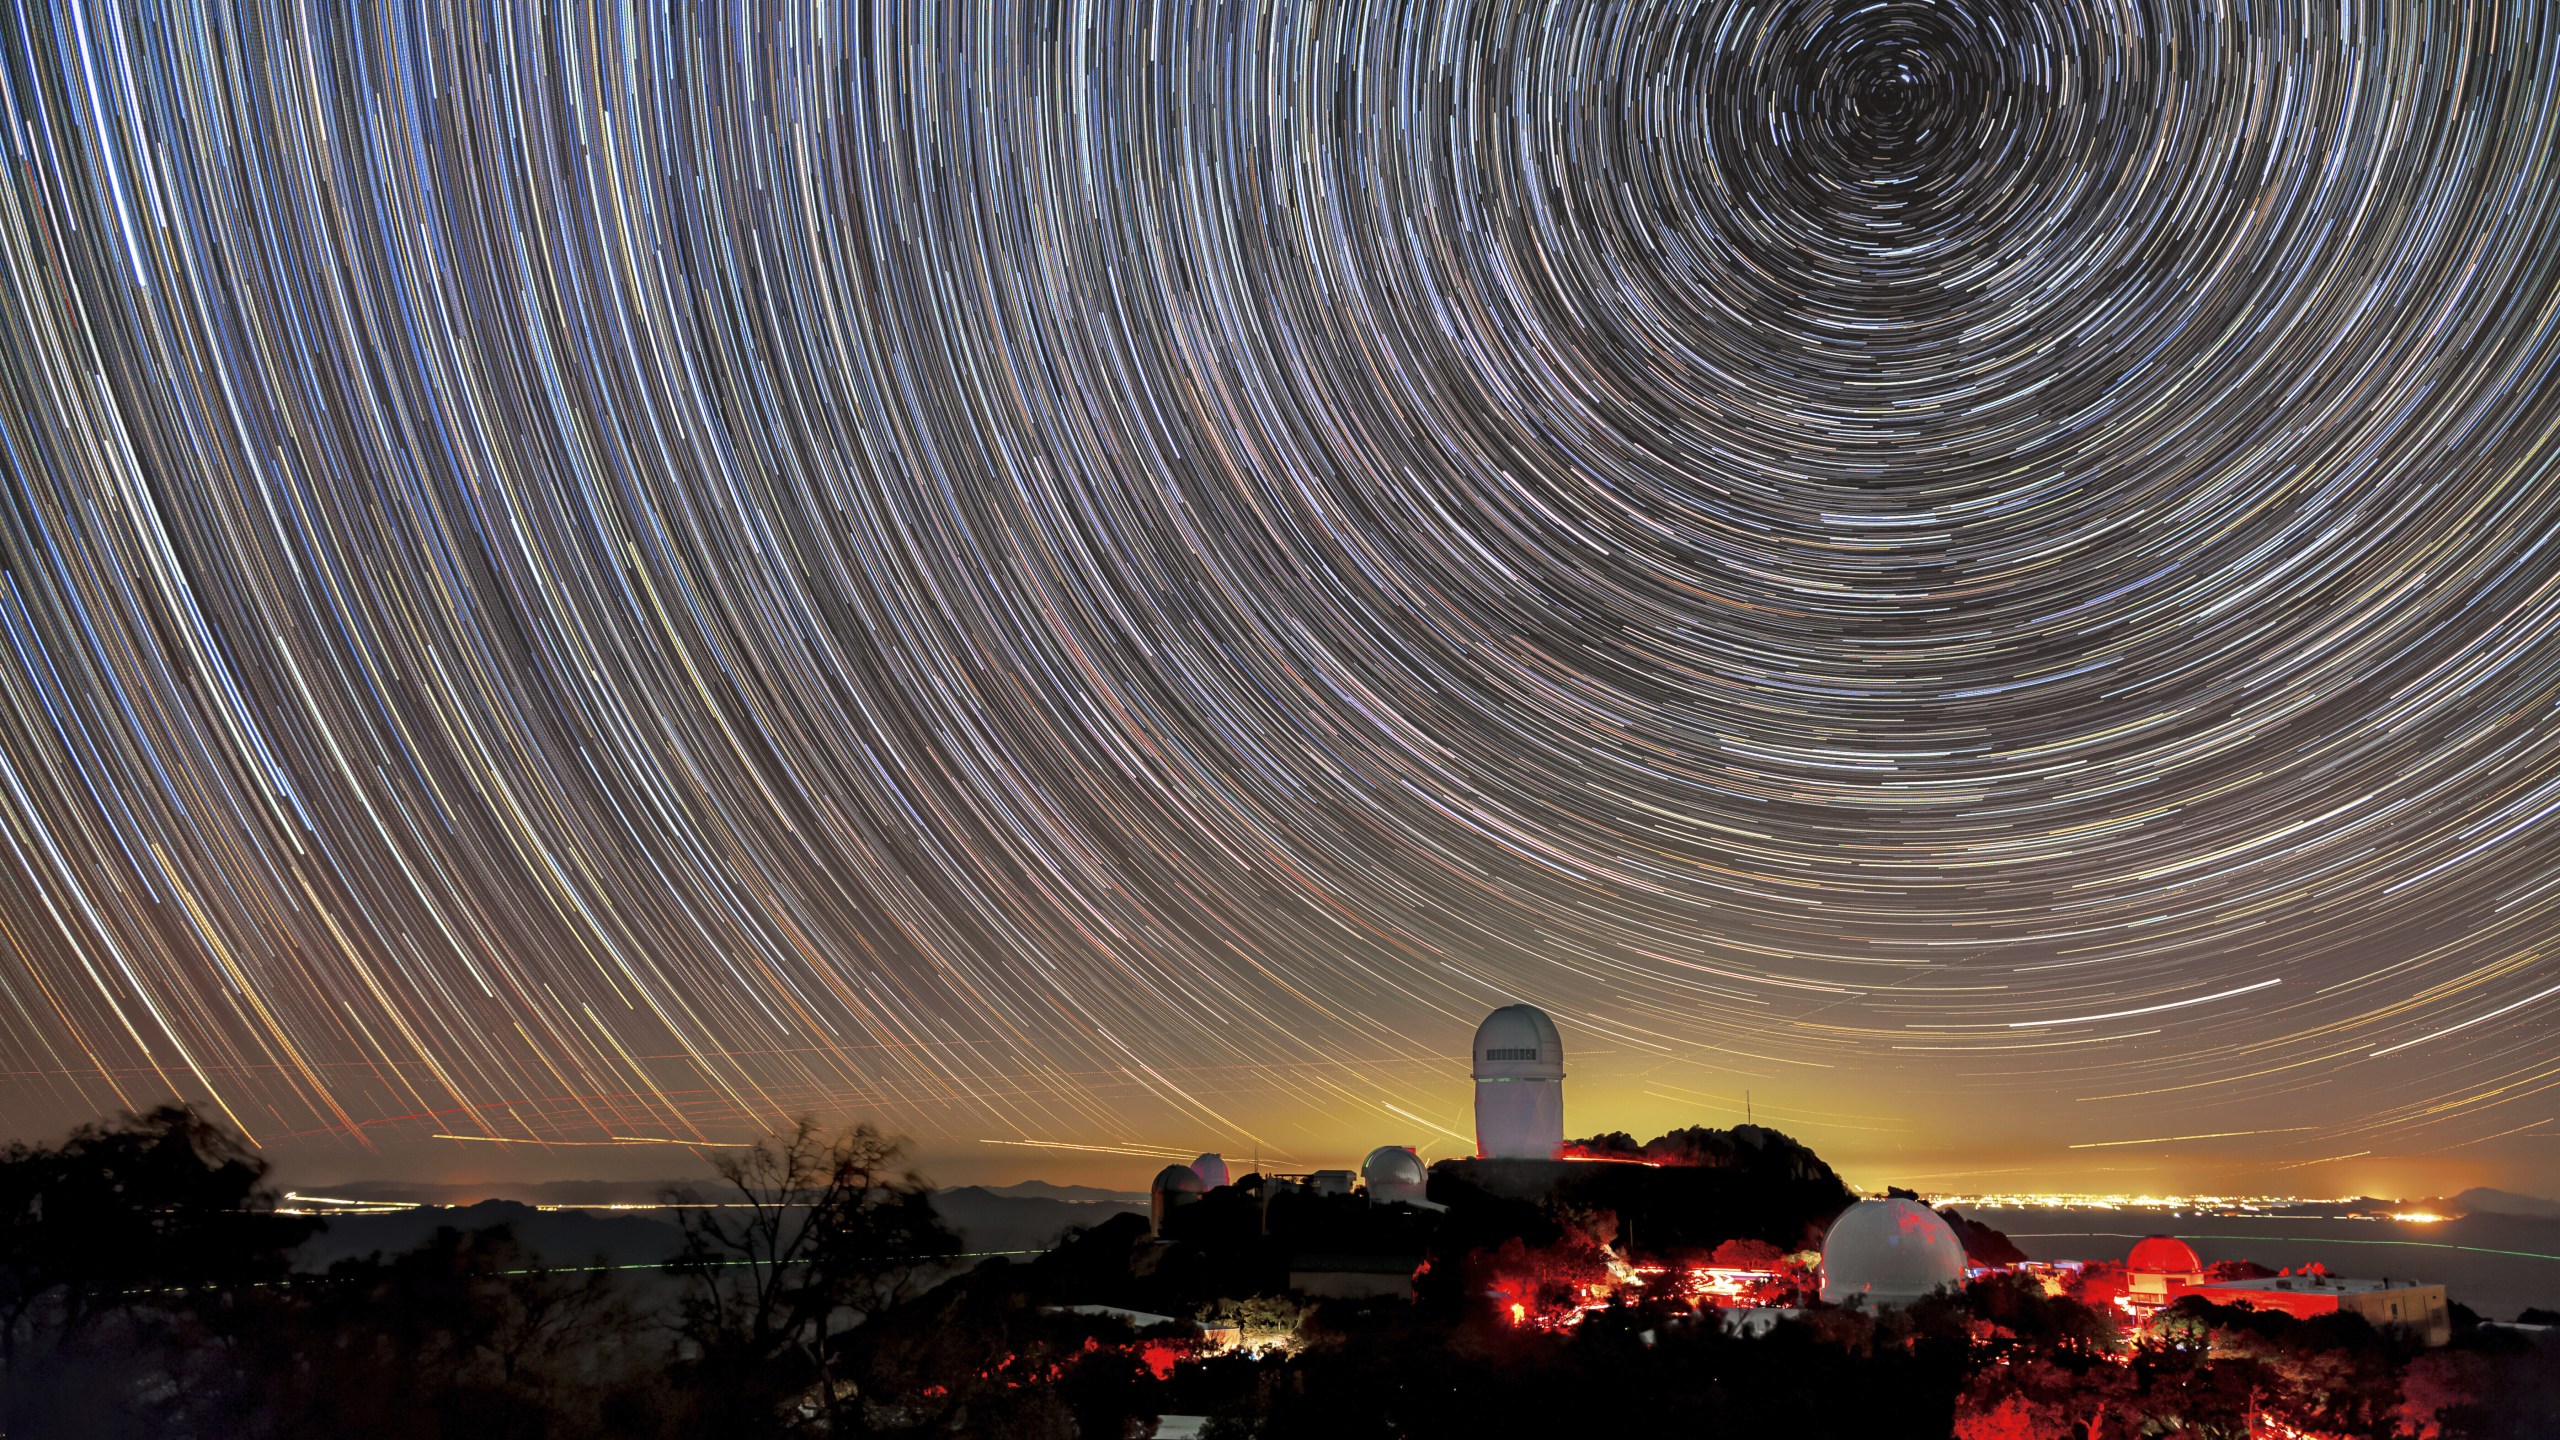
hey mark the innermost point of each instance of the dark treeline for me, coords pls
(147, 1290)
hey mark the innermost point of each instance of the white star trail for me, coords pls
(1109, 575)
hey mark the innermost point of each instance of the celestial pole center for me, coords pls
(1117, 574)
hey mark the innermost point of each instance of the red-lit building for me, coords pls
(2159, 1270)
(2420, 1308)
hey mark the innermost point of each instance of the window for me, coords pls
(1527, 1053)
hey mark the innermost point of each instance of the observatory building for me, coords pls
(1212, 1170)
(2416, 1306)
(1519, 1073)
(1889, 1252)
(1394, 1176)
(2160, 1269)
(1175, 1187)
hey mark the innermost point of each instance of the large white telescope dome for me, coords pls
(1889, 1252)
(1518, 1064)
(1518, 1042)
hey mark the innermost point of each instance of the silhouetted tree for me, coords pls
(2329, 1375)
(810, 1233)
(2016, 1313)
(466, 1336)
(2512, 1392)
(113, 1243)
(1746, 1255)
(146, 1294)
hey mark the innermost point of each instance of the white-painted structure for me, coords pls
(1212, 1170)
(1889, 1252)
(1394, 1175)
(1518, 1063)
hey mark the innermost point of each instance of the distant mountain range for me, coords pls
(2479, 1200)
(1015, 1218)
(558, 1237)
(528, 1192)
(1020, 1218)
(1043, 1190)
(650, 1192)
(1026, 1216)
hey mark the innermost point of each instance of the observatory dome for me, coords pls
(1175, 1186)
(1518, 1042)
(1212, 1170)
(1394, 1175)
(1518, 1064)
(1890, 1252)
(2163, 1255)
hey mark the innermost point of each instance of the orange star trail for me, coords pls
(1108, 578)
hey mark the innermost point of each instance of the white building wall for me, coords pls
(1519, 1119)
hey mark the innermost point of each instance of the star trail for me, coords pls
(1106, 577)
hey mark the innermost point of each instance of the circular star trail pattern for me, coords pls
(1105, 573)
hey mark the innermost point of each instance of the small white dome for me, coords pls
(1518, 1042)
(1890, 1252)
(1394, 1175)
(1212, 1170)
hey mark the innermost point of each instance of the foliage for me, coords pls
(126, 1234)
(1260, 1320)
(811, 1233)
(145, 1281)
(152, 1207)
(1537, 1284)
(2016, 1313)
(1746, 1255)
(466, 1335)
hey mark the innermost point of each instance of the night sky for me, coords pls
(1114, 575)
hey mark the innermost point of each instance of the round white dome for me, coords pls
(1394, 1173)
(1518, 1042)
(1889, 1252)
(1212, 1169)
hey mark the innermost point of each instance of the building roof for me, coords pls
(2163, 1255)
(1517, 1042)
(2315, 1284)
(1393, 1165)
